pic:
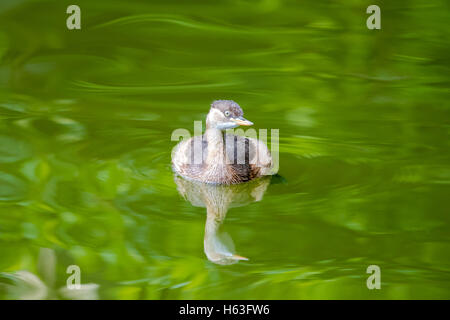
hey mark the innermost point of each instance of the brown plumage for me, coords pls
(217, 157)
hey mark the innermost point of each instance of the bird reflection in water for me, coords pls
(217, 199)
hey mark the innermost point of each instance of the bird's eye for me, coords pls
(227, 113)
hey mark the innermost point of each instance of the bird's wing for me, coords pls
(246, 150)
(260, 156)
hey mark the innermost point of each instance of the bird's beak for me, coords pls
(237, 257)
(241, 121)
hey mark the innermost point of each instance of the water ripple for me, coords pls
(193, 24)
(100, 88)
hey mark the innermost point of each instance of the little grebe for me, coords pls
(221, 158)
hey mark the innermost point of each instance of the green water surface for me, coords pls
(86, 118)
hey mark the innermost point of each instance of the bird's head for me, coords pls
(226, 114)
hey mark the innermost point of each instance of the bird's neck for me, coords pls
(216, 147)
(218, 170)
